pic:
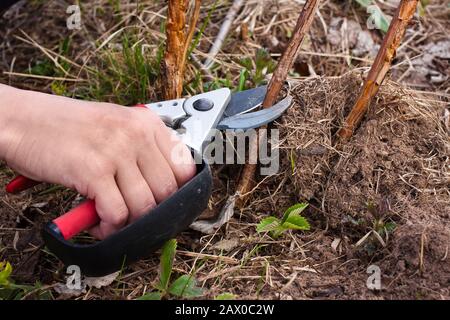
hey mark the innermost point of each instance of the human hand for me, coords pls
(120, 157)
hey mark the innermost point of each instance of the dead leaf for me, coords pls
(348, 33)
(63, 289)
(38, 205)
(226, 244)
(15, 240)
(363, 239)
(427, 67)
(335, 244)
(93, 282)
(99, 282)
(211, 226)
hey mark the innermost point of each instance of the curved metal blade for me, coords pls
(244, 101)
(255, 119)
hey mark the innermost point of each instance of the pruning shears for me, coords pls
(193, 119)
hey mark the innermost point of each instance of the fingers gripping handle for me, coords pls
(140, 238)
(73, 222)
(78, 219)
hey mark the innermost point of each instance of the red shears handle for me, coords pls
(19, 184)
(72, 222)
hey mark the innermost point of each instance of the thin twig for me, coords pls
(380, 67)
(223, 32)
(287, 59)
(36, 76)
(191, 31)
(279, 76)
(198, 64)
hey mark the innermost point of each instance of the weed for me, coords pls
(58, 67)
(255, 70)
(380, 216)
(125, 76)
(292, 220)
(183, 287)
(218, 83)
(11, 291)
(379, 225)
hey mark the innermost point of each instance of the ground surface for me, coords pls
(380, 199)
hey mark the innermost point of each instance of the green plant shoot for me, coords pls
(292, 220)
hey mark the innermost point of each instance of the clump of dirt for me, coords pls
(399, 154)
(384, 194)
(307, 132)
(419, 259)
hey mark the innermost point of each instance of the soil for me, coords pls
(394, 170)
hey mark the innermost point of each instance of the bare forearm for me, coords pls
(9, 100)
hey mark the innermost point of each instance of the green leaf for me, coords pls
(291, 221)
(268, 224)
(390, 226)
(278, 231)
(64, 46)
(185, 287)
(242, 78)
(225, 296)
(377, 16)
(166, 264)
(292, 156)
(155, 295)
(422, 5)
(5, 272)
(59, 88)
(380, 19)
(296, 222)
(262, 59)
(295, 209)
(364, 3)
(264, 65)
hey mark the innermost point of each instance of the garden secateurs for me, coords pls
(193, 119)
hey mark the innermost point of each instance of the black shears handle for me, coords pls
(135, 241)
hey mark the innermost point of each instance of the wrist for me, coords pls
(9, 97)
